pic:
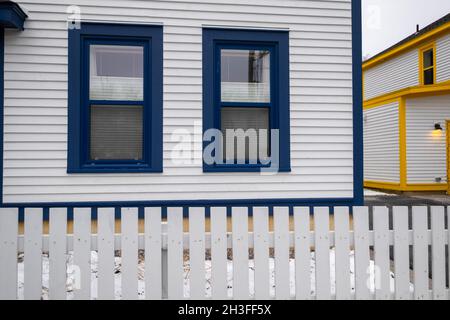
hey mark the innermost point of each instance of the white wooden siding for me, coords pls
(443, 59)
(426, 153)
(395, 74)
(381, 144)
(35, 153)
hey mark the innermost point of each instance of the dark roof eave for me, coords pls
(11, 15)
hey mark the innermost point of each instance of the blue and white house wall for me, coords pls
(57, 93)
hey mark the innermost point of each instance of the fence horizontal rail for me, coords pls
(251, 244)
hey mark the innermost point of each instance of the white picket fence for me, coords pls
(165, 245)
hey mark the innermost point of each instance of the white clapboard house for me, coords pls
(105, 102)
(407, 113)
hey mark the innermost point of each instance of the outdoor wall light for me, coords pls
(438, 127)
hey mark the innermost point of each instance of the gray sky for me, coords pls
(386, 22)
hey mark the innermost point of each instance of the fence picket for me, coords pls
(57, 254)
(401, 253)
(420, 252)
(261, 253)
(362, 254)
(342, 243)
(282, 271)
(105, 229)
(197, 253)
(9, 218)
(130, 253)
(302, 253)
(219, 253)
(33, 254)
(175, 253)
(438, 252)
(240, 253)
(153, 247)
(322, 253)
(381, 247)
(82, 252)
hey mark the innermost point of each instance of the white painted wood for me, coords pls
(9, 221)
(426, 152)
(153, 247)
(320, 91)
(381, 145)
(342, 243)
(420, 253)
(438, 253)
(401, 253)
(240, 253)
(129, 226)
(362, 256)
(33, 254)
(261, 252)
(382, 258)
(197, 253)
(82, 252)
(219, 258)
(402, 72)
(106, 252)
(302, 253)
(322, 253)
(57, 254)
(175, 253)
(443, 58)
(282, 271)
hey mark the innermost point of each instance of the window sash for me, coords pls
(88, 103)
(244, 104)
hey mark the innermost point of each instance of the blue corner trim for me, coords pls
(11, 15)
(151, 38)
(358, 146)
(277, 42)
(2, 63)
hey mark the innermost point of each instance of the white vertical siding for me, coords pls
(381, 144)
(395, 74)
(426, 152)
(443, 59)
(321, 101)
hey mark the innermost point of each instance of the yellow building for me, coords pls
(407, 113)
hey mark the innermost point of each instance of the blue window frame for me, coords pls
(271, 99)
(115, 109)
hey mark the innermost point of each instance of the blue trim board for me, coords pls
(358, 143)
(2, 129)
(358, 198)
(151, 39)
(11, 15)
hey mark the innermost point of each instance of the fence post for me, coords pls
(164, 263)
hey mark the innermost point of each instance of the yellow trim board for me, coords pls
(402, 141)
(418, 91)
(409, 187)
(433, 34)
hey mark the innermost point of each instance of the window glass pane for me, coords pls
(429, 76)
(116, 132)
(245, 75)
(245, 119)
(428, 59)
(116, 72)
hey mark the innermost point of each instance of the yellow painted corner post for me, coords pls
(402, 143)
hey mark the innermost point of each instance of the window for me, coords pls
(115, 98)
(246, 97)
(427, 65)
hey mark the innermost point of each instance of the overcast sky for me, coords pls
(386, 22)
